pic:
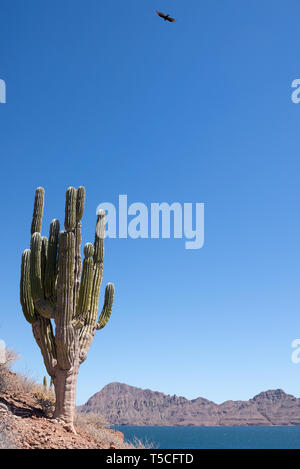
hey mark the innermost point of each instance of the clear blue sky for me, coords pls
(107, 95)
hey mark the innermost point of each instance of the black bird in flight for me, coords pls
(166, 17)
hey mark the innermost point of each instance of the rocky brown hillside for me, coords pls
(121, 404)
(27, 428)
(23, 422)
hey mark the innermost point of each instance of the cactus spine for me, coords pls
(54, 288)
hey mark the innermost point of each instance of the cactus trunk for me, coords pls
(65, 382)
(55, 288)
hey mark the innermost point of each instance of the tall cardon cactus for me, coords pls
(59, 296)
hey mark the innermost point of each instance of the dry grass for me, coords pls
(14, 383)
(7, 383)
(96, 425)
(46, 400)
(137, 443)
(18, 383)
(91, 419)
(27, 384)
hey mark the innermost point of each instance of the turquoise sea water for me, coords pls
(215, 437)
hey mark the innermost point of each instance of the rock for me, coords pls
(69, 428)
(3, 407)
(121, 404)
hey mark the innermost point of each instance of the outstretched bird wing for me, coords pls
(161, 15)
(166, 17)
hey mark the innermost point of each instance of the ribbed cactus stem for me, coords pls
(97, 280)
(51, 266)
(70, 209)
(65, 281)
(49, 338)
(25, 289)
(38, 210)
(80, 199)
(43, 334)
(99, 237)
(107, 307)
(36, 267)
(84, 300)
(44, 255)
(45, 382)
(88, 250)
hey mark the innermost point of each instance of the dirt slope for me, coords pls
(24, 421)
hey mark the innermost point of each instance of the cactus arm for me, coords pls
(85, 292)
(107, 307)
(38, 210)
(80, 199)
(99, 238)
(25, 289)
(44, 255)
(98, 267)
(70, 209)
(77, 271)
(88, 330)
(43, 306)
(43, 334)
(36, 267)
(51, 266)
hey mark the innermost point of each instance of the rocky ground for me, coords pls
(23, 426)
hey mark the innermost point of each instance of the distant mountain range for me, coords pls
(122, 404)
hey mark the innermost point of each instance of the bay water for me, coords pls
(178, 437)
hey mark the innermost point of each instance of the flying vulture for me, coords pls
(166, 17)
